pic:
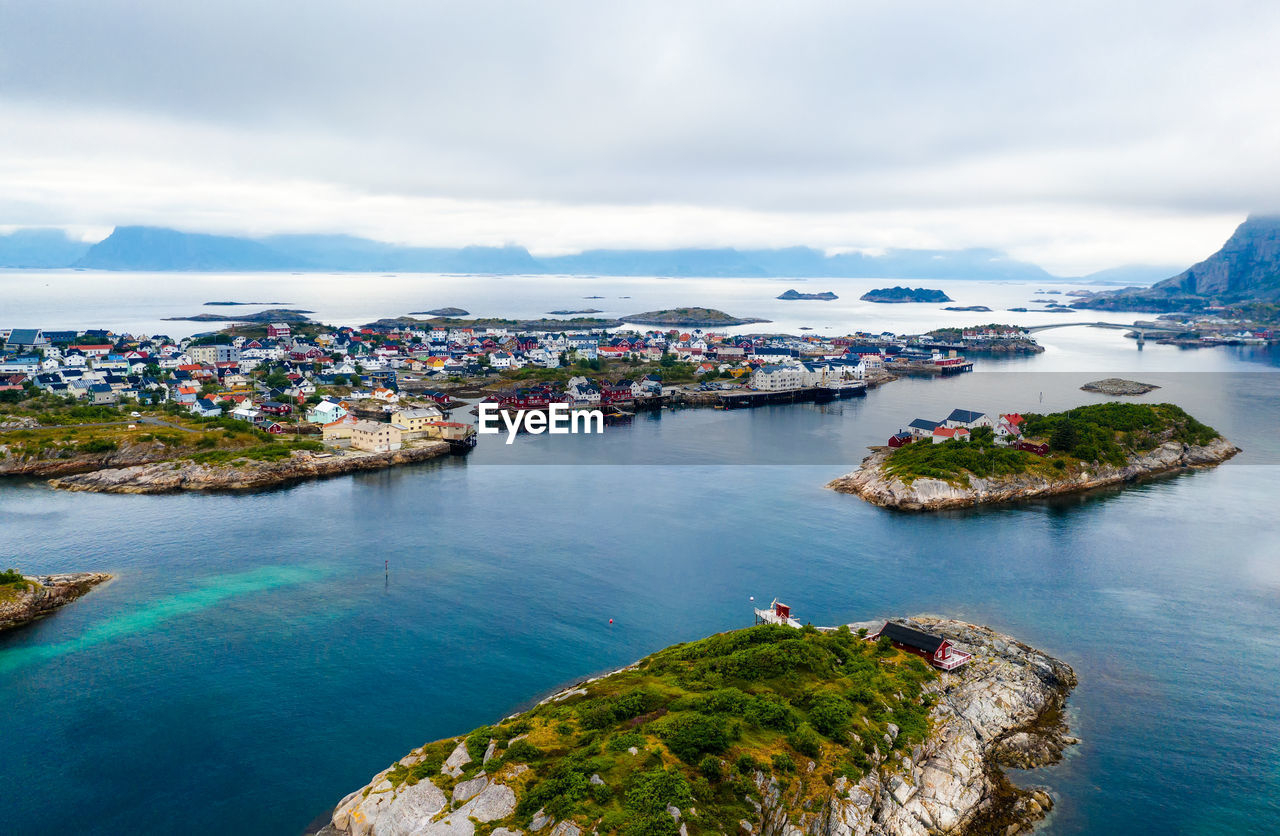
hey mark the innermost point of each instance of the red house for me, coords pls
(936, 650)
(901, 439)
(278, 330)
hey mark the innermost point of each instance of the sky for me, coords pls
(1077, 135)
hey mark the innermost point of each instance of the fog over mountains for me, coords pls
(157, 248)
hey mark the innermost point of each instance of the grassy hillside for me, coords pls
(1107, 433)
(702, 718)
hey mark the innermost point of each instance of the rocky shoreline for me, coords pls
(43, 595)
(244, 475)
(871, 483)
(1004, 708)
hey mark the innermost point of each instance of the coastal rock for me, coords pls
(871, 483)
(951, 786)
(457, 759)
(242, 475)
(42, 595)
(385, 810)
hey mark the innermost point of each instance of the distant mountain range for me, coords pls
(1245, 270)
(155, 248)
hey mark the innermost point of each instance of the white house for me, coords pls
(776, 377)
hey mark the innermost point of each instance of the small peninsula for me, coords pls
(690, 317)
(1061, 453)
(896, 295)
(25, 598)
(792, 295)
(767, 730)
(1119, 386)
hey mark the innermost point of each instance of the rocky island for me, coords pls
(1119, 386)
(690, 318)
(25, 598)
(574, 313)
(290, 315)
(973, 308)
(441, 312)
(895, 295)
(769, 731)
(792, 295)
(1067, 452)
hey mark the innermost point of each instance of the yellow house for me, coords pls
(373, 437)
(416, 420)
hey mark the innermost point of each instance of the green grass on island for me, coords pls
(1107, 433)
(703, 717)
(12, 584)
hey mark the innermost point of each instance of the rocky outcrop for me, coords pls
(1119, 386)
(872, 483)
(127, 455)
(241, 475)
(1004, 707)
(42, 595)
(952, 783)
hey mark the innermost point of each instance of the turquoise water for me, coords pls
(253, 661)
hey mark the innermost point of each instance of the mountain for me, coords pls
(154, 248)
(39, 248)
(1245, 269)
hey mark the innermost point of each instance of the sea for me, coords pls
(258, 657)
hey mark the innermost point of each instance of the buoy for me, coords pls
(611, 621)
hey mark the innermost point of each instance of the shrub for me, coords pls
(771, 712)
(98, 445)
(522, 751)
(746, 764)
(691, 735)
(710, 768)
(623, 742)
(805, 741)
(651, 792)
(782, 763)
(830, 714)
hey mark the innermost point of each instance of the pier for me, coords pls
(815, 394)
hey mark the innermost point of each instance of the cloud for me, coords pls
(1076, 135)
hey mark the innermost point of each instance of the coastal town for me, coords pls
(377, 388)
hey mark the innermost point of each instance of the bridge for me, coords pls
(1141, 329)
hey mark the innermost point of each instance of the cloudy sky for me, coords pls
(1078, 135)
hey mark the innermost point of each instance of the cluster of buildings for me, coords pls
(1007, 430)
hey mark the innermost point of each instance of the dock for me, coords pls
(815, 394)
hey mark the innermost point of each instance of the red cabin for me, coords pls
(934, 649)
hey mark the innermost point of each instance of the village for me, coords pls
(377, 389)
(961, 424)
